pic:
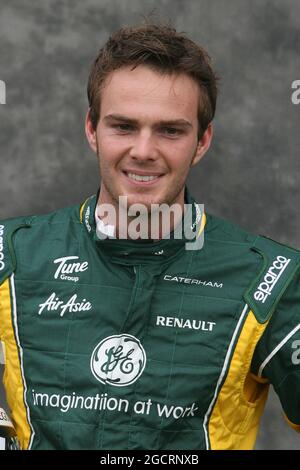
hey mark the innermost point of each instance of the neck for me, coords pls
(154, 223)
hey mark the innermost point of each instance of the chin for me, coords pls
(147, 201)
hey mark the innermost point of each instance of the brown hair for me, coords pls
(163, 49)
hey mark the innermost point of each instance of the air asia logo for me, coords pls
(2, 264)
(118, 360)
(272, 276)
(67, 267)
(53, 304)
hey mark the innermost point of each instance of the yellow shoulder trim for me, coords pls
(202, 225)
(234, 421)
(82, 209)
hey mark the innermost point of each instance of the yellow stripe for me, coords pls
(82, 209)
(235, 417)
(202, 225)
(12, 374)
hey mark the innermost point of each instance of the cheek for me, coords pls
(182, 149)
(180, 159)
(110, 151)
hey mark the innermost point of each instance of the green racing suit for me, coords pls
(122, 344)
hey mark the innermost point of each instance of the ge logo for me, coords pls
(118, 360)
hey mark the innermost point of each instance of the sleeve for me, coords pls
(8, 261)
(8, 228)
(277, 354)
(6, 258)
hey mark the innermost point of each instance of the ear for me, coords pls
(203, 144)
(90, 132)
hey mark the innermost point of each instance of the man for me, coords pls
(116, 338)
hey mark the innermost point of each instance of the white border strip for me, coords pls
(224, 369)
(280, 273)
(279, 346)
(13, 291)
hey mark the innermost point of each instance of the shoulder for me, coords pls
(15, 231)
(220, 229)
(7, 228)
(276, 266)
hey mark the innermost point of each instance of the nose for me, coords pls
(144, 146)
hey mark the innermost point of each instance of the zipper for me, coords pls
(136, 270)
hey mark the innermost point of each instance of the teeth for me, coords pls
(141, 178)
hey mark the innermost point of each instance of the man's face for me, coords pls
(146, 137)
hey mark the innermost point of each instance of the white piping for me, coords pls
(279, 346)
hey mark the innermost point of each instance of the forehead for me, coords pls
(149, 91)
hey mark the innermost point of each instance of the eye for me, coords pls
(123, 127)
(171, 131)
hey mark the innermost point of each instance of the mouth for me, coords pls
(142, 178)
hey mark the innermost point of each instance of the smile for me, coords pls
(148, 179)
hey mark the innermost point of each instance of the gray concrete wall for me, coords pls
(251, 174)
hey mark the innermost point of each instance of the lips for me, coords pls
(138, 177)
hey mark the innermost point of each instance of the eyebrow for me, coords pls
(169, 122)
